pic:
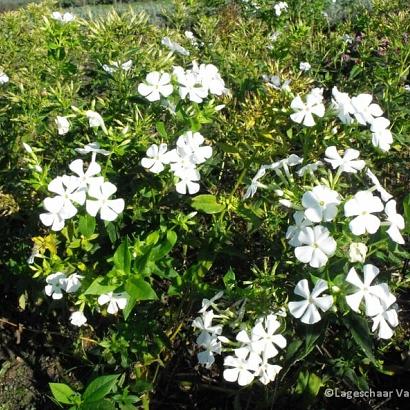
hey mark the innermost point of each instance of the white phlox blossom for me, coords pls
(383, 193)
(348, 163)
(72, 283)
(255, 184)
(304, 66)
(211, 345)
(93, 148)
(242, 367)
(95, 120)
(280, 7)
(362, 206)
(309, 168)
(204, 323)
(174, 46)
(381, 135)
(207, 303)
(157, 85)
(63, 18)
(115, 301)
(357, 252)
(307, 310)
(316, 246)
(373, 295)
(364, 110)
(293, 231)
(56, 214)
(156, 158)
(78, 319)
(386, 320)
(116, 65)
(109, 209)
(55, 285)
(320, 204)
(4, 78)
(87, 178)
(395, 222)
(304, 111)
(63, 125)
(275, 82)
(342, 104)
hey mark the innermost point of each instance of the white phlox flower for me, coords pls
(115, 66)
(342, 104)
(267, 372)
(207, 303)
(210, 79)
(55, 285)
(242, 367)
(364, 111)
(396, 222)
(93, 148)
(4, 78)
(204, 323)
(109, 208)
(264, 338)
(255, 184)
(88, 177)
(115, 301)
(63, 125)
(72, 283)
(373, 295)
(66, 187)
(156, 158)
(192, 142)
(157, 85)
(78, 319)
(174, 46)
(304, 66)
(56, 214)
(320, 204)
(362, 206)
(357, 252)
(280, 7)
(293, 231)
(95, 120)
(381, 136)
(188, 182)
(316, 246)
(383, 193)
(63, 18)
(348, 163)
(304, 111)
(274, 82)
(189, 86)
(308, 309)
(309, 168)
(212, 346)
(385, 321)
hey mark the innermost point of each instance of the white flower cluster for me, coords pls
(255, 349)
(4, 78)
(59, 282)
(183, 160)
(196, 83)
(347, 109)
(280, 7)
(85, 187)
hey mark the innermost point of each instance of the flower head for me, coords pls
(87, 178)
(4, 78)
(63, 125)
(212, 346)
(308, 309)
(349, 163)
(396, 222)
(63, 18)
(157, 84)
(293, 231)
(342, 103)
(242, 367)
(72, 283)
(381, 136)
(95, 120)
(156, 157)
(364, 110)
(316, 245)
(56, 213)
(304, 111)
(363, 205)
(304, 66)
(55, 285)
(109, 208)
(94, 149)
(320, 204)
(383, 193)
(357, 252)
(373, 295)
(78, 319)
(115, 301)
(174, 46)
(385, 321)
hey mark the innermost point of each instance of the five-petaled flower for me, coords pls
(63, 125)
(115, 301)
(320, 204)
(157, 85)
(156, 157)
(395, 222)
(307, 309)
(304, 111)
(348, 163)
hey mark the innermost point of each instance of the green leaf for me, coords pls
(207, 204)
(161, 129)
(105, 404)
(62, 393)
(96, 288)
(138, 289)
(229, 279)
(122, 257)
(86, 225)
(99, 388)
(359, 329)
(165, 247)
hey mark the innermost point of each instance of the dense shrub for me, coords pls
(210, 174)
